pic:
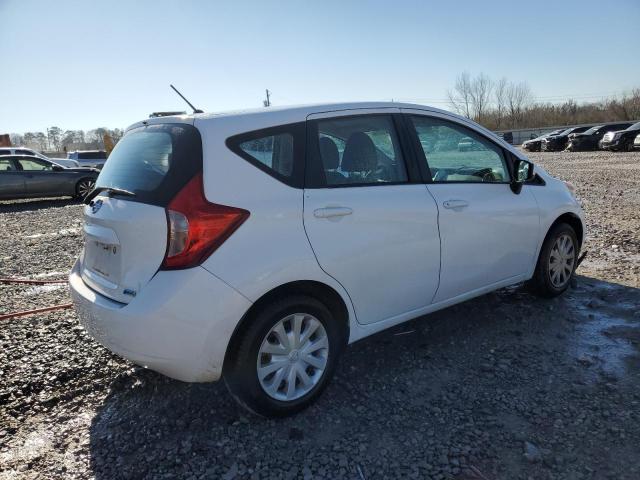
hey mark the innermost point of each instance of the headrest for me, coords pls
(359, 154)
(329, 153)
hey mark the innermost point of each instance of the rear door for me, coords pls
(11, 179)
(126, 235)
(371, 225)
(489, 234)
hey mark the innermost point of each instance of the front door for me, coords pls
(40, 178)
(370, 228)
(489, 234)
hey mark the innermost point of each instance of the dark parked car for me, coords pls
(22, 176)
(558, 142)
(589, 139)
(535, 144)
(620, 140)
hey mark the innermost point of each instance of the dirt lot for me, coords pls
(506, 386)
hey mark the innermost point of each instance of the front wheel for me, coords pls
(84, 187)
(285, 357)
(557, 262)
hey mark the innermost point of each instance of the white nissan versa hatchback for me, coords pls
(255, 246)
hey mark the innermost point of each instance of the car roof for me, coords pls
(294, 113)
(282, 115)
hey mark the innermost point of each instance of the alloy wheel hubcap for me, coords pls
(84, 188)
(561, 261)
(293, 357)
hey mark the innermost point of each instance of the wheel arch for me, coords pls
(573, 221)
(318, 290)
(77, 184)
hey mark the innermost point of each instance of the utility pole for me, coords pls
(267, 102)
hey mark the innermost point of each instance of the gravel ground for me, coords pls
(525, 389)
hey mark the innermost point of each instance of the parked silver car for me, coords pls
(24, 176)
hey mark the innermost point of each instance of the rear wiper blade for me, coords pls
(110, 190)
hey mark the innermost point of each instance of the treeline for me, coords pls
(55, 139)
(506, 105)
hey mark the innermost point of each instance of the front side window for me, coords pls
(34, 164)
(362, 150)
(455, 153)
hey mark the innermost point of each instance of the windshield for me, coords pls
(635, 126)
(566, 132)
(593, 130)
(153, 162)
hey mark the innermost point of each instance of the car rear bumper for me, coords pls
(179, 324)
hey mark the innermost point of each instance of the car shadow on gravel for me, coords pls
(27, 205)
(503, 386)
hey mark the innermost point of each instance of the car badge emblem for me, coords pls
(96, 206)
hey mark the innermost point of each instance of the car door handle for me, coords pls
(455, 204)
(329, 212)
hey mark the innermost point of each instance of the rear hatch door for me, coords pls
(126, 233)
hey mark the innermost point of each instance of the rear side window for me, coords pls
(273, 151)
(278, 151)
(154, 162)
(5, 165)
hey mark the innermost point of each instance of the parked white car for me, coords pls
(257, 245)
(89, 158)
(63, 162)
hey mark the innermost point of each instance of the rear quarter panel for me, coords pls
(270, 248)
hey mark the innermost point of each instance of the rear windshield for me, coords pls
(154, 162)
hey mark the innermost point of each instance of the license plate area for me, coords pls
(104, 260)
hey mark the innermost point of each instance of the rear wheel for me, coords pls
(84, 187)
(557, 261)
(285, 357)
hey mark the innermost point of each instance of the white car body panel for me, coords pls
(391, 235)
(383, 260)
(283, 253)
(491, 239)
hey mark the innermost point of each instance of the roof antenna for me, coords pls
(195, 110)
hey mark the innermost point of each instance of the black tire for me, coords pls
(542, 283)
(84, 187)
(241, 373)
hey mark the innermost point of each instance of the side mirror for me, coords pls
(523, 173)
(57, 168)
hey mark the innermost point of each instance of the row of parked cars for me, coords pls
(623, 136)
(25, 173)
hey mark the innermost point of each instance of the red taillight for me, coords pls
(196, 227)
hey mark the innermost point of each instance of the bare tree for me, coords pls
(500, 94)
(471, 97)
(481, 88)
(54, 135)
(519, 96)
(461, 98)
(17, 140)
